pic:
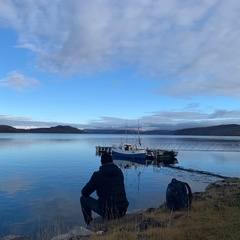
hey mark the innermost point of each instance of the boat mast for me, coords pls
(139, 139)
(126, 132)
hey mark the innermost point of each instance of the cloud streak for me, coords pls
(19, 82)
(164, 120)
(193, 47)
(171, 120)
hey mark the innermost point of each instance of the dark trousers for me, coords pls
(89, 204)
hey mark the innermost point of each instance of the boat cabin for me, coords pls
(127, 147)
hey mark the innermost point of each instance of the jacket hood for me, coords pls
(110, 169)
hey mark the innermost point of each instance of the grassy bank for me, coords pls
(215, 214)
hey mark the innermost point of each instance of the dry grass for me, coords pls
(215, 214)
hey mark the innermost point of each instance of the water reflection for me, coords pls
(42, 176)
(123, 162)
(14, 184)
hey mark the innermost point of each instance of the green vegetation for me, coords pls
(215, 214)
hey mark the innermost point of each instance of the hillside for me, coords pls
(57, 129)
(8, 129)
(105, 131)
(220, 130)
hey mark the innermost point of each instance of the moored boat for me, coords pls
(128, 150)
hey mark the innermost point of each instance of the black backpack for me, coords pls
(178, 195)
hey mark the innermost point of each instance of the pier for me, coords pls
(100, 150)
(152, 154)
(206, 146)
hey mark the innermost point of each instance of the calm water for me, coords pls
(42, 176)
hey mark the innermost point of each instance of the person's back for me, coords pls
(109, 185)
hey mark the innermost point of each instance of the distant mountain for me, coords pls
(220, 130)
(116, 131)
(158, 132)
(7, 129)
(57, 129)
(105, 131)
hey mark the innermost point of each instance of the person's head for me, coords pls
(106, 158)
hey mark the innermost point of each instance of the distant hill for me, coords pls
(105, 131)
(116, 131)
(158, 132)
(220, 130)
(8, 129)
(57, 129)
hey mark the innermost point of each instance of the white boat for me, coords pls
(128, 150)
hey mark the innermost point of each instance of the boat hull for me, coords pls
(140, 154)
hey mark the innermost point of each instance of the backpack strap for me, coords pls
(189, 194)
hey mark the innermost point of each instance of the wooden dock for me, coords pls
(100, 150)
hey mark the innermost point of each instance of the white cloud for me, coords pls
(19, 82)
(170, 120)
(193, 45)
(25, 122)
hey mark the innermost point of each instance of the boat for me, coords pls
(129, 150)
(135, 150)
(161, 154)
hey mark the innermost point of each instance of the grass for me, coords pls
(215, 214)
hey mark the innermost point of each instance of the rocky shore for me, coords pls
(220, 196)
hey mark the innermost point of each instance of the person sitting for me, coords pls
(108, 182)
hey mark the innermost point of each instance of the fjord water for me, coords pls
(42, 175)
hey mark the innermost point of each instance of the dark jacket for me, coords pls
(108, 182)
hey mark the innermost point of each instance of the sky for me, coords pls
(162, 64)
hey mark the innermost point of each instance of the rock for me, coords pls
(75, 232)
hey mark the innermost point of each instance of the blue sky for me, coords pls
(166, 64)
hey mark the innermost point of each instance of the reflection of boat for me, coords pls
(126, 162)
(128, 165)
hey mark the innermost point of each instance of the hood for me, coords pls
(110, 169)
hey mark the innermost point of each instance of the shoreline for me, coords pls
(223, 192)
